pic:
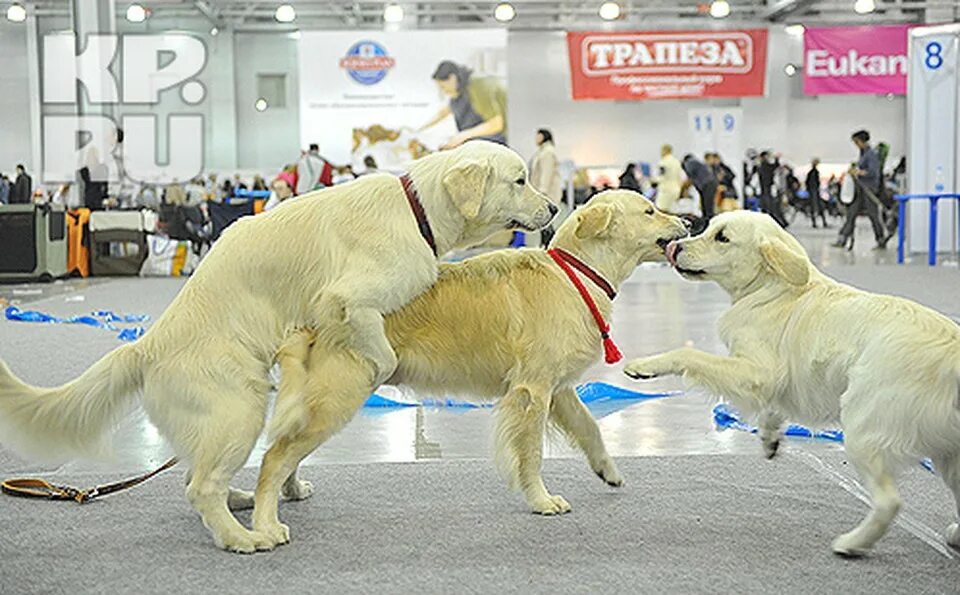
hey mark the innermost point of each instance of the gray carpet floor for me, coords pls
(732, 524)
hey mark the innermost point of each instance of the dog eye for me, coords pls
(521, 181)
(722, 238)
(649, 212)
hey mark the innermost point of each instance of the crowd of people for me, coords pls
(767, 184)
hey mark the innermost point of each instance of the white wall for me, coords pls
(614, 132)
(15, 139)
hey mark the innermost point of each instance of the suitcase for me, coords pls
(33, 242)
(118, 242)
(78, 242)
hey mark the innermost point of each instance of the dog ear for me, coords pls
(594, 221)
(785, 262)
(466, 184)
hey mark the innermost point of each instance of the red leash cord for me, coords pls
(611, 354)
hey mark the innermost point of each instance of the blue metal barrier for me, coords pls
(934, 198)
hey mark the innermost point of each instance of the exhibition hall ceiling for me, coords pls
(525, 14)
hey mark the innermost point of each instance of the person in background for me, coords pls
(95, 176)
(289, 175)
(705, 182)
(227, 189)
(628, 179)
(62, 195)
(724, 174)
(313, 171)
(258, 183)
(669, 180)
(478, 105)
(238, 184)
(280, 190)
(370, 166)
(545, 167)
(867, 175)
(343, 175)
(766, 175)
(812, 184)
(545, 175)
(4, 189)
(22, 191)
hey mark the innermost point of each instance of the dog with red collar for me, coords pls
(519, 327)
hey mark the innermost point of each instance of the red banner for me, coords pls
(667, 64)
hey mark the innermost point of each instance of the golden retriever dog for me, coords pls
(338, 260)
(805, 347)
(507, 325)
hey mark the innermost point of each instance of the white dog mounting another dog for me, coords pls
(805, 347)
(337, 260)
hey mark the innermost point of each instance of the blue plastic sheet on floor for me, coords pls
(725, 416)
(594, 394)
(104, 319)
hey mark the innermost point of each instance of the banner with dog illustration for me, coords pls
(667, 64)
(378, 99)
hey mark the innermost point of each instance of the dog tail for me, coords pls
(290, 411)
(75, 418)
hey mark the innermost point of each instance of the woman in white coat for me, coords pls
(545, 174)
(669, 180)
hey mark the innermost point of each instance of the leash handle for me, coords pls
(38, 488)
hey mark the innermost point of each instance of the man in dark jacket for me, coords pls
(705, 182)
(867, 174)
(813, 192)
(766, 173)
(22, 188)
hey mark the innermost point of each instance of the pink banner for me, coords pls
(855, 60)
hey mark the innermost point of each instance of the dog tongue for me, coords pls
(671, 253)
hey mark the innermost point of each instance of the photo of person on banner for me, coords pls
(478, 105)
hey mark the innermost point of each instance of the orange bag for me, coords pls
(78, 242)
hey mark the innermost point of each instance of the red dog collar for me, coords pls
(415, 205)
(567, 262)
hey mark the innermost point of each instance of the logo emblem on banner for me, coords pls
(367, 62)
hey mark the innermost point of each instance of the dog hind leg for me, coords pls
(521, 417)
(569, 414)
(339, 385)
(949, 468)
(877, 473)
(771, 432)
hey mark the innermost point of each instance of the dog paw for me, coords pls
(246, 542)
(300, 490)
(642, 369)
(849, 545)
(953, 535)
(240, 500)
(551, 506)
(278, 533)
(770, 447)
(609, 473)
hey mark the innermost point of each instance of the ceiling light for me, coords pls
(16, 13)
(790, 69)
(795, 30)
(392, 13)
(504, 12)
(719, 9)
(260, 105)
(864, 6)
(214, 31)
(136, 13)
(610, 11)
(285, 13)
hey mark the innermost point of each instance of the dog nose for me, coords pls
(554, 209)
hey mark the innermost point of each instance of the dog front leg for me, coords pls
(569, 413)
(736, 378)
(521, 420)
(357, 327)
(771, 432)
